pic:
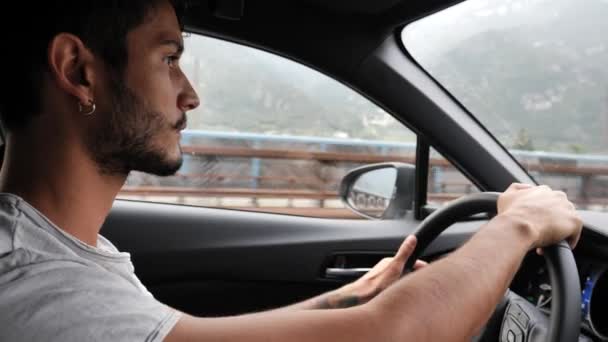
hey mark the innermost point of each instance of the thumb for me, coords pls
(406, 249)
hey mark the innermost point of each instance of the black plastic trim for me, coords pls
(422, 177)
(397, 82)
(178, 242)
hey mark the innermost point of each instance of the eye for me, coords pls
(171, 60)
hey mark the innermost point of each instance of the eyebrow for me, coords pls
(178, 44)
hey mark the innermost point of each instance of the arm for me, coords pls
(455, 296)
(337, 299)
(465, 286)
(380, 277)
(448, 300)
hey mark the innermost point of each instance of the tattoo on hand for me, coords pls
(347, 302)
(341, 303)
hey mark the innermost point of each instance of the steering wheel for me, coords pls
(515, 319)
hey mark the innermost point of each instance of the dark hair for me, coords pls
(101, 24)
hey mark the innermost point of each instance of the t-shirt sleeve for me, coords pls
(73, 302)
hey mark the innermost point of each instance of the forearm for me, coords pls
(446, 301)
(330, 300)
(452, 299)
(347, 296)
(353, 325)
(449, 300)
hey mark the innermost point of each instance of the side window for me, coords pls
(270, 135)
(445, 182)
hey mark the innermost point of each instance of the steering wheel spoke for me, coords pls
(523, 322)
(515, 320)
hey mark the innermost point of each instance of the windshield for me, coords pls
(535, 73)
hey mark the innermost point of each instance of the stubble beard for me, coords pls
(123, 142)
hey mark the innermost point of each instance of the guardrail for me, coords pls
(300, 174)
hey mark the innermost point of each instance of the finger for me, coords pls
(519, 186)
(378, 268)
(383, 263)
(406, 249)
(579, 231)
(539, 251)
(573, 241)
(420, 264)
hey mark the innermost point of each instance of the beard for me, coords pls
(123, 140)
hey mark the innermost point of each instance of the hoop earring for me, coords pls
(90, 111)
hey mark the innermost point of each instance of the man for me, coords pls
(102, 94)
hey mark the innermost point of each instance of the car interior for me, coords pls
(210, 261)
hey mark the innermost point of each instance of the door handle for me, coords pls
(345, 273)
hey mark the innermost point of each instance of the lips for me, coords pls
(182, 123)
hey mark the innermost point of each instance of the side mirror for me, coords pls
(379, 191)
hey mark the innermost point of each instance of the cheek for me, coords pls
(161, 92)
(154, 83)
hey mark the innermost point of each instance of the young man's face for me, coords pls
(148, 103)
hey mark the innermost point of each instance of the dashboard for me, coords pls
(591, 255)
(532, 282)
(594, 300)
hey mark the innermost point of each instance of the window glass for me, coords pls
(446, 182)
(270, 135)
(535, 73)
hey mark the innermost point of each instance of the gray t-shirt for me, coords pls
(54, 287)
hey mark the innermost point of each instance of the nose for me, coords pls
(188, 99)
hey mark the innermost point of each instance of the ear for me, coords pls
(72, 66)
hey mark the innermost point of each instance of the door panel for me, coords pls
(219, 261)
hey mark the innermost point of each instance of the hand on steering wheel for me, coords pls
(565, 319)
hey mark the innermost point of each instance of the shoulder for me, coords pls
(24, 230)
(9, 216)
(68, 291)
(67, 301)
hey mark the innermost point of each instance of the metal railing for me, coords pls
(300, 175)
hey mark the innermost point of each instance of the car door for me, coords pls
(253, 219)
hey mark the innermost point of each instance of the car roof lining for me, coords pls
(333, 36)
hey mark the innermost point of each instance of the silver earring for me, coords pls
(88, 112)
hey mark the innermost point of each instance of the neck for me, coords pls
(61, 181)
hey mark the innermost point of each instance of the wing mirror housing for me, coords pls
(379, 191)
